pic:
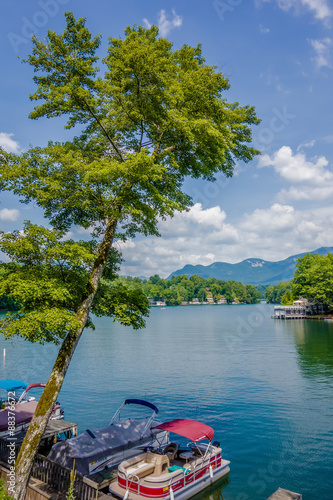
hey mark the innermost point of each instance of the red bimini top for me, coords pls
(191, 429)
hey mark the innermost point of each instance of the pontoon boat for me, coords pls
(100, 449)
(18, 407)
(173, 472)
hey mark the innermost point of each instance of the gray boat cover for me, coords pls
(91, 446)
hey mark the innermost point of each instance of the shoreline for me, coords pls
(321, 317)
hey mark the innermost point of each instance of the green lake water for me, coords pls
(264, 385)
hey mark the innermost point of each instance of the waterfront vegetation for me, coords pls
(175, 291)
(182, 289)
(279, 294)
(313, 280)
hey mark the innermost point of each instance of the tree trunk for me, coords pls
(50, 394)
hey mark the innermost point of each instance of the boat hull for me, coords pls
(183, 489)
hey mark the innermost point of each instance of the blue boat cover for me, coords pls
(13, 385)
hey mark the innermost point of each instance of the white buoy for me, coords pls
(172, 496)
(126, 494)
(211, 471)
(4, 353)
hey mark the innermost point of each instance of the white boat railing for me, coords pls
(129, 479)
(194, 469)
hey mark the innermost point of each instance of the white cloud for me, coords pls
(211, 217)
(320, 8)
(165, 24)
(322, 49)
(68, 236)
(188, 238)
(275, 219)
(9, 214)
(306, 144)
(328, 139)
(307, 193)
(85, 231)
(263, 30)
(8, 144)
(314, 176)
(194, 238)
(280, 231)
(209, 222)
(273, 80)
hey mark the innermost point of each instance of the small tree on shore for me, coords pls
(156, 116)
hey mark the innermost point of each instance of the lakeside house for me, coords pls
(195, 302)
(154, 302)
(299, 309)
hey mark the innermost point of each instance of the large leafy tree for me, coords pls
(154, 117)
(313, 278)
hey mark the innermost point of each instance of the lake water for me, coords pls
(266, 386)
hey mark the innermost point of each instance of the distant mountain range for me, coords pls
(250, 271)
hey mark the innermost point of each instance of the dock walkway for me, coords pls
(53, 429)
(53, 432)
(282, 494)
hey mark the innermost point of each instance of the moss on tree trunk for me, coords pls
(51, 391)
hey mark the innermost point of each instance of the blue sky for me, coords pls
(278, 55)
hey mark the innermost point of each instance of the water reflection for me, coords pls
(214, 492)
(264, 385)
(314, 342)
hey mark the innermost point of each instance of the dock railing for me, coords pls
(8, 451)
(59, 478)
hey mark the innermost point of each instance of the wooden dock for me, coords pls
(282, 494)
(53, 430)
(103, 478)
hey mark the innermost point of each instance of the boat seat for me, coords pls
(171, 450)
(140, 469)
